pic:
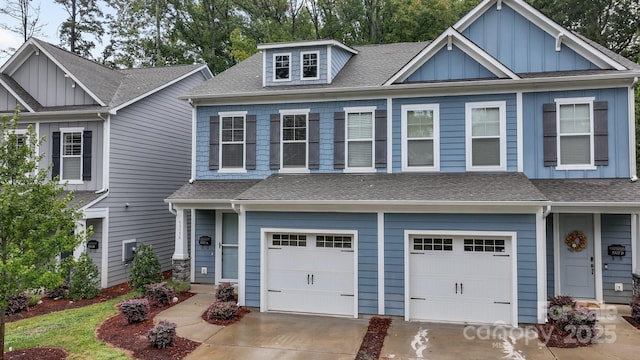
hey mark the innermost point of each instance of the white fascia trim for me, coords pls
(329, 63)
(381, 264)
(404, 145)
(264, 68)
(161, 87)
(557, 286)
(389, 135)
(194, 139)
(106, 155)
(549, 26)
(10, 91)
(19, 57)
(295, 44)
(541, 265)
(520, 131)
(634, 244)
(86, 207)
(391, 202)
(632, 129)
(242, 255)
(445, 39)
(192, 272)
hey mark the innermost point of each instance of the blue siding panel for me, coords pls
(451, 64)
(452, 129)
(339, 58)
(365, 224)
(523, 224)
(616, 229)
(205, 255)
(521, 45)
(618, 134)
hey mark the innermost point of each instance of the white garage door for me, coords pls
(460, 279)
(311, 273)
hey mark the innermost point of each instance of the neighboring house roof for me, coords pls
(396, 189)
(208, 190)
(599, 191)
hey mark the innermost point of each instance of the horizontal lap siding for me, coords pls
(365, 224)
(150, 159)
(616, 229)
(205, 255)
(524, 225)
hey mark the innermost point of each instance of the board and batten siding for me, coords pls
(205, 255)
(452, 129)
(263, 112)
(451, 64)
(364, 223)
(150, 159)
(96, 126)
(616, 230)
(618, 134)
(47, 83)
(523, 224)
(96, 254)
(521, 45)
(8, 102)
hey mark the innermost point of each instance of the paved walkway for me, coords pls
(297, 337)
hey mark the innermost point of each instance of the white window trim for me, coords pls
(576, 101)
(243, 169)
(302, 54)
(294, 170)
(359, 109)
(273, 67)
(436, 137)
(124, 242)
(502, 106)
(67, 131)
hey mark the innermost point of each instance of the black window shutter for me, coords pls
(55, 154)
(251, 142)
(314, 141)
(550, 133)
(274, 149)
(600, 134)
(381, 138)
(214, 142)
(86, 155)
(338, 140)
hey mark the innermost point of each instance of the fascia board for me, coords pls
(63, 113)
(307, 44)
(18, 58)
(483, 57)
(531, 203)
(8, 88)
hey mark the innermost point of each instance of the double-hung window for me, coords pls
(232, 141)
(309, 61)
(360, 128)
(71, 154)
(420, 137)
(486, 136)
(294, 138)
(575, 132)
(281, 67)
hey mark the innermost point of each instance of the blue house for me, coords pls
(464, 179)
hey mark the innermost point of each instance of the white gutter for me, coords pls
(171, 209)
(106, 135)
(392, 202)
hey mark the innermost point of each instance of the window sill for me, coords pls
(232, 171)
(576, 167)
(359, 170)
(420, 169)
(486, 168)
(294, 171)
(71, 182)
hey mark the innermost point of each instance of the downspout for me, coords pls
(172, 210)
(546, 212)
(105, 154)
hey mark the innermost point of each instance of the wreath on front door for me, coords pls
(576, 241)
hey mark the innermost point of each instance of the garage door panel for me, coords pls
(298, 301)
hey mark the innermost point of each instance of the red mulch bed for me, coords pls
(132, 338)
(632, 321)
(242, 311)
(373, 340)
(37, 353)
(558, 337)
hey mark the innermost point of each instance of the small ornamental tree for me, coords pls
(85, 279)
(36, 225)
(145, 268)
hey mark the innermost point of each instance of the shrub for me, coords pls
(145, 268)
(559, 306)
(159, 294)
(85, 279)
(135, 310)
(17, 303)
(225, 292)
(58, 292)
(178, 287)
(635, 308)
(162, 335)
(34, 300)
(222, 310)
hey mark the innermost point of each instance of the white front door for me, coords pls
(577, 264)
(311, 273)
(226, 247)
(460, 279)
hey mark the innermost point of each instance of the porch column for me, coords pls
(81, 226)
(180, 260)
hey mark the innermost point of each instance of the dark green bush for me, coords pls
(17, 303)
(220, 310)
(162, 335)
(145, 268)
(135, 310)
(58, 292)
(159, 294)
(85, 279)
(225, 292)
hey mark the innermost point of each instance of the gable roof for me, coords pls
(19, 93)
(108, 87)
(590, 192)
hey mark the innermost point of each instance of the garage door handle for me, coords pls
(501, 255)
(502, 302)
(307, 279)
(347, 295)
(417, 253)
(311, 279)
(460, 288)
(456, 288)
(415, 298)
(346, 250)
(274, 290)
(274, 248)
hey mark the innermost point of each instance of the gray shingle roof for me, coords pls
(82, 198)
(615, 56)
(373, 65)
(406, 187)
(212, 190)
(21, 92)
(590, 190)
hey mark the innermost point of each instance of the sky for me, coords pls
(51, 16)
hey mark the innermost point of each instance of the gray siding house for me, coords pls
(120, 139)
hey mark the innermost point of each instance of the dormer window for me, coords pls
(281, 67)
(309, 61)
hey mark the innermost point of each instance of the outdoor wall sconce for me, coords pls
(92, 244)
(204, 240)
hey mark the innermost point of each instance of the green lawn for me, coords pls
(73, 330)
